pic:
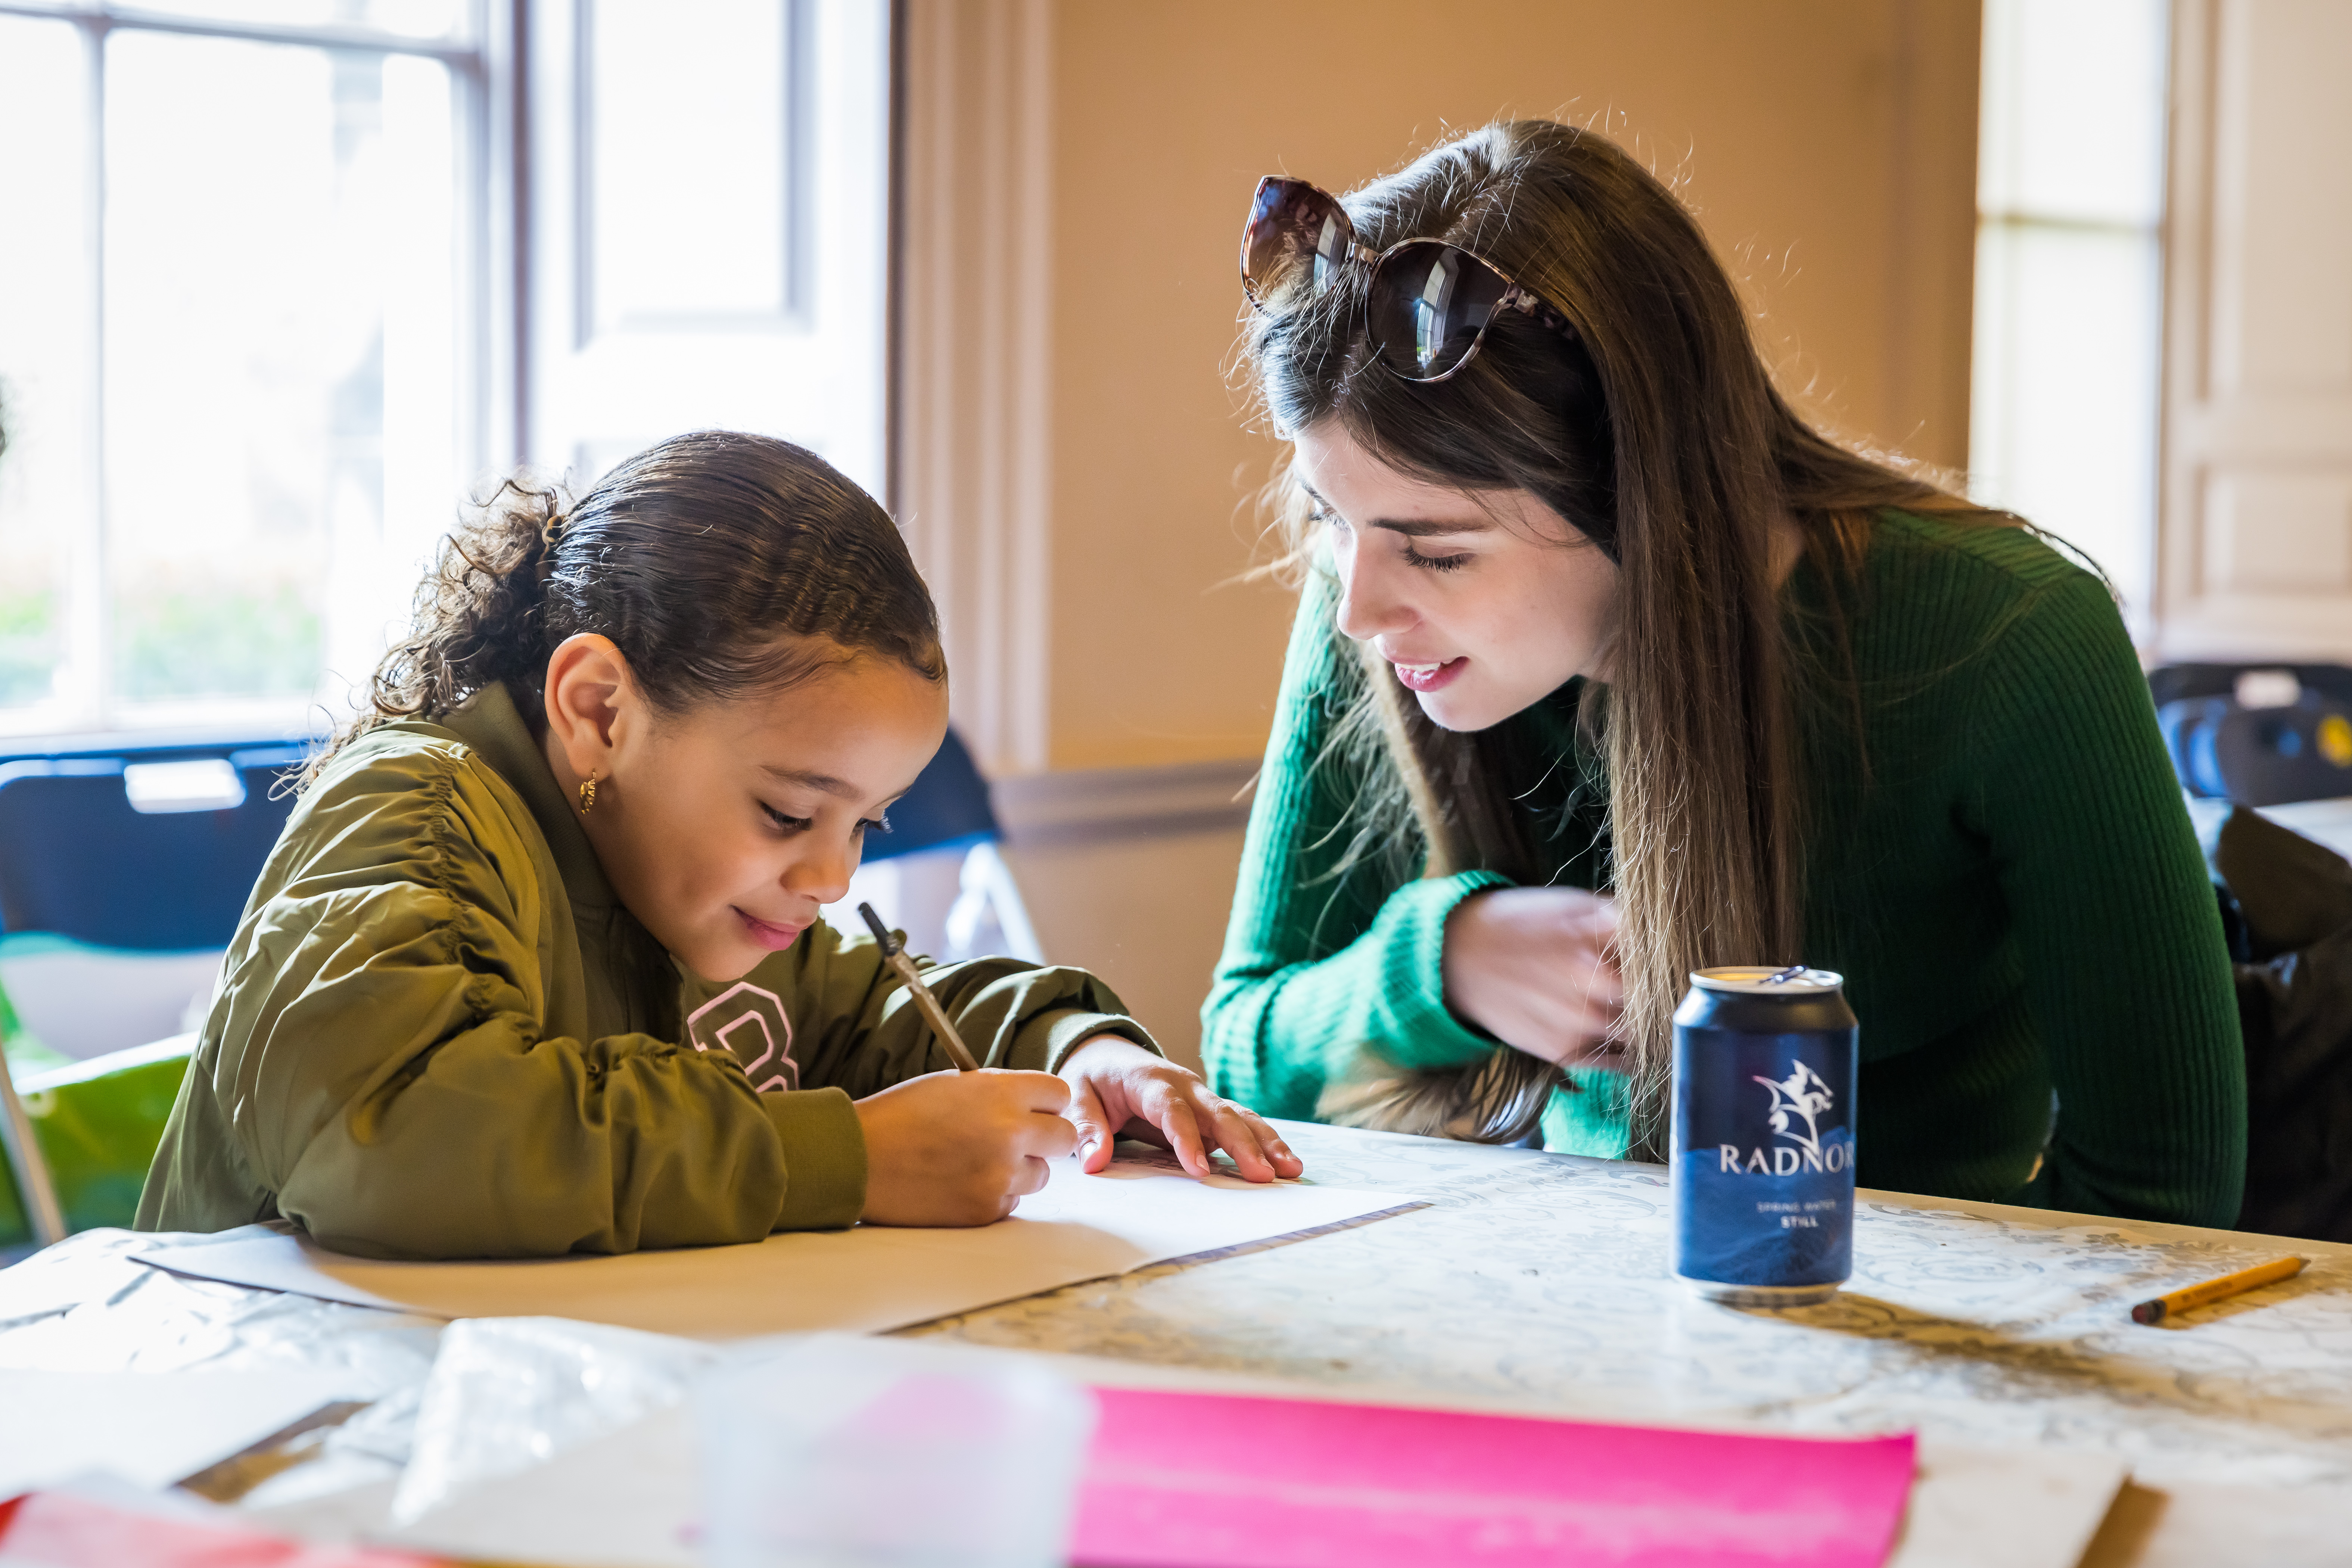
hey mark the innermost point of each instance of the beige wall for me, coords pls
(1072, 472)
(1828, 146)
(1146, 914)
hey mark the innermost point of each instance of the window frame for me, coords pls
(480, 55)
(2007, 221)
(512, 65)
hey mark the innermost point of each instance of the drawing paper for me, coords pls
(866, 1280)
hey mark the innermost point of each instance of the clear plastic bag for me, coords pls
(508, 1394)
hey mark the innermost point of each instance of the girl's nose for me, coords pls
(823, 874)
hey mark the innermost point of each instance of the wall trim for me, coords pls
(1101, 805)
(972, 345)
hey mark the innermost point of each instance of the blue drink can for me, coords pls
(1762, 1158)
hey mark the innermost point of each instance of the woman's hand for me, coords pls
(1537, 968)
(961, 1148)
(1120, 1089)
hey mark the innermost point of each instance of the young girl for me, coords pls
(537, 967)
(1607, 667)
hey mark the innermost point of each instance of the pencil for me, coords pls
(894, 952)
(2189, 1296)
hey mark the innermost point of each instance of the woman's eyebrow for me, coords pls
(1418, 528)
(1411, 527)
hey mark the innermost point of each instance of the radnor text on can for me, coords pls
(1763, 1135)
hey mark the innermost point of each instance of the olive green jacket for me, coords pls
(438, 1036)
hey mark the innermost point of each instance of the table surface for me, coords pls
(1542, 1281)
(1545, 1277)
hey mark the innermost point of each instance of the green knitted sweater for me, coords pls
(2002, 869)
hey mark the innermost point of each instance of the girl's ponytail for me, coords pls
(476, 618)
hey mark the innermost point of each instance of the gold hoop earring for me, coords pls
(588, 794)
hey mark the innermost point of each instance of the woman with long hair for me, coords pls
(1607, 667)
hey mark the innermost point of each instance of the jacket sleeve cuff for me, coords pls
(1067, 1030)
(1411, 932)
(824, 1158)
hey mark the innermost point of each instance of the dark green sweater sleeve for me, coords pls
(2012, 888)
(2127, 974)
(1318, 966)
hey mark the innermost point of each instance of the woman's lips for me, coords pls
(775, 937)
(1428, 677)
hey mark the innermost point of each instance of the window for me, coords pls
(273, 295)
(234, 329)
(2068, 323)
(709, 226)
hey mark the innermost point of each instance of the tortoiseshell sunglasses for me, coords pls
(1429, 303)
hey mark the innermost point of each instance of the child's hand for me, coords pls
(961, 1148)
(1120, 1089)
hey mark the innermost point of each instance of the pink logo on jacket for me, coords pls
(740, 1018)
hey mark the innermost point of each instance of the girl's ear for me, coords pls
(590, 698)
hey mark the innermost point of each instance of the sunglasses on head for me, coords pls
(1429, 303)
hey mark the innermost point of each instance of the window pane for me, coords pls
(256, 257)
(46, 337)
(2064, 430)
(2071, 187)
(405, 18)
(689, 206)
(2073, 109)
(368, 598)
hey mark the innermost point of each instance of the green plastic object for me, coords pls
(98, 1123)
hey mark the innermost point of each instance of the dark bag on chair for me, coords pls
(2288, 902)
(2297, 747)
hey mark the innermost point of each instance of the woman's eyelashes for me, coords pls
(1435, 562)
(1412, 557)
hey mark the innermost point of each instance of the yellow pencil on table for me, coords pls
(894, 952)
(2187, 1295)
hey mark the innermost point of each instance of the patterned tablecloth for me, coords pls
(1543, 1279)
(1532, 1280)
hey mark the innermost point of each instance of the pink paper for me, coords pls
(1187, 1480)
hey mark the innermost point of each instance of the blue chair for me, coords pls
(946, 809)
(937, 875)
(151, 851)
(118, 857)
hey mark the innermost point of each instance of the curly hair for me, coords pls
(719, 564)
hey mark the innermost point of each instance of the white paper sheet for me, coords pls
(150, 1428)
(866, 1280)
